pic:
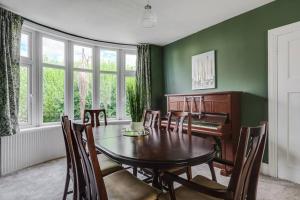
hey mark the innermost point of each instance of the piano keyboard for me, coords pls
(206, 125)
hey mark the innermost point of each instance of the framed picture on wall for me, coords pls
(203, 71)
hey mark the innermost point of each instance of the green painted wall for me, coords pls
(157, 77)
(241, 56)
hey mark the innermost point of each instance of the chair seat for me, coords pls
(108, 166)
(122, 185)
(183, 193)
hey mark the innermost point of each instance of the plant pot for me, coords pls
(136, 126)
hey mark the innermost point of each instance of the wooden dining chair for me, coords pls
(244, 178)
(108, 167)
(70, 170)
(120, 185)
(176, 121)
(75, 163)
(151, 118)
(93, 116)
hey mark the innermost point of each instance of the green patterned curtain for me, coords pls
(143, 75)
(10, 35)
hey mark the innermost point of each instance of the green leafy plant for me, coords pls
(134, 102)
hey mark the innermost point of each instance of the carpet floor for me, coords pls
(46, 182)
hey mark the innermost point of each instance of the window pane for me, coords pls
(53, 94)
(108, 94)
(83, 57)
(53, 52)
(24, 48)
(108, 60)
(82, 93)
(129, 80)
(130, 62)
(24, 93)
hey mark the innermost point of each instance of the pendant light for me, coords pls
(149, 18)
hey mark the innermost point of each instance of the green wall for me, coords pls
(157, 77)
(241, 56)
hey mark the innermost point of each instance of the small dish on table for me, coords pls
(134, 133)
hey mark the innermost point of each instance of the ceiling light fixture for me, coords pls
(149, 18)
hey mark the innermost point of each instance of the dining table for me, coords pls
(158, 150)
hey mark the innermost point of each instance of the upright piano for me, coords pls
(214, 114)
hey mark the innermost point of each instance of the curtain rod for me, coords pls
(74, 35)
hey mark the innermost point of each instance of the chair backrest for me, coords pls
(93, 115)
(95, 187)
(79, 185)
(151, 118)
(64, 119)
(180, 118)
(244, 178)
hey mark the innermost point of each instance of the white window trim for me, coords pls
(117, 73)
(54, 66)
(36, 32)
(29, 113)
(29, 63)
(73, 69)
(125, 73)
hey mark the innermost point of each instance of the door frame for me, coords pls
(273, 36)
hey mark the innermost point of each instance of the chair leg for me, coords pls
(171, 190)
(189, 173)
(75, 190)
(135, 171)
(212, 171)
(67, 184)
(156, 179)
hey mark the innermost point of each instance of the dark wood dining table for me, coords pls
(159, 150)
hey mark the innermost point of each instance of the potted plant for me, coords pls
(135, 108)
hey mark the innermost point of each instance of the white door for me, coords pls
(289, 106)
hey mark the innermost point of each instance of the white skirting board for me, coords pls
(31, 147)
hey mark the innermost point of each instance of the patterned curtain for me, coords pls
(143, 75)
(10, 35)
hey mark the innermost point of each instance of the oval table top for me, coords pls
(158, 150)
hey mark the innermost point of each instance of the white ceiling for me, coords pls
(119, 20)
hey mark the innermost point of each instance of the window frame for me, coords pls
(125, 73)
(41, 75)
(36, 65)
(29, 33)
(29, 113)
(118, 76)
(73, 70)
(129, 52)
(29, 63)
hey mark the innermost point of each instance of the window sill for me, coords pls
(55, 125)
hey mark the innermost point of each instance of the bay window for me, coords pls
(60, 74)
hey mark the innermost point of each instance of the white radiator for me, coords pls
(30, 147)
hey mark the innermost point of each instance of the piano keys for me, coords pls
(214, 114)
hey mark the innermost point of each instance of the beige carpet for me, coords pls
(46, 182)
